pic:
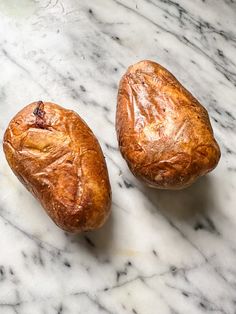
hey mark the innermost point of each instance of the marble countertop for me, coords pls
(161, 252)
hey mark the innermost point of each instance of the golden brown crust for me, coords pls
(164, 133)
(57, 157)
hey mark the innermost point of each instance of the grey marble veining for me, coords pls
(160, 252)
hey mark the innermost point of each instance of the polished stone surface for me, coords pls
(160, 252)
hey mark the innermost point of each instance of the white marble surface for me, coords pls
(160, 252)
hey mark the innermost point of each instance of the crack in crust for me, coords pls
(40, 115)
